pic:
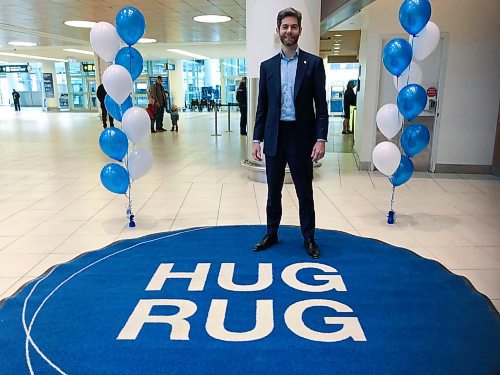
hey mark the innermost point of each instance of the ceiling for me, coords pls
(170, 22)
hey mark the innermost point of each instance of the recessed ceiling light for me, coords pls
(146, 40)
(78, 51)
(336, 48)
(211, 18)
(336, 54)
(84, 24)
(31, 56)
(23, 44)
(337, 35)
(337, 44)
(190, 54)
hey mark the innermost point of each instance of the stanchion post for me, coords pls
(215, 110)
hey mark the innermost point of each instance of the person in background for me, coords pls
(349, 100)
(241, 98)
(101, 95)
(151, 110)
(174, 116)
(292, 120)
(159, 96)
(16, 96)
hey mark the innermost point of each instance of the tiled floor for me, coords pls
(53, 207)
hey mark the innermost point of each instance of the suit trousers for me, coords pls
(243, 120)
(301, 168)
(159, 117)
(105, 116)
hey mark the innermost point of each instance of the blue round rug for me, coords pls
(199, 301)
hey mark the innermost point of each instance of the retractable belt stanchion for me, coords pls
(215, 111)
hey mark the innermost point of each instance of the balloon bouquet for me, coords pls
(117, 80)
(397, 57)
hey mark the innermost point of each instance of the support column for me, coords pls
(52, 104)
(262, 43)
(177, 89)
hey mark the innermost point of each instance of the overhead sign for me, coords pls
(48, 85)
(14, 69)
(88, 67)
(170, 66)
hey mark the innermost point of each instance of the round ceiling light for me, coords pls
(146, 40)
(23, 44)
(83, 24)
(210, 18)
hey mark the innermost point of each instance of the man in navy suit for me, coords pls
(292, 120)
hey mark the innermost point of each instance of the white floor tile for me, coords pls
(57, 208)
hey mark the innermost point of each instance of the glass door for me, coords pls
(78, 95)
(141, 92)
(92, 90)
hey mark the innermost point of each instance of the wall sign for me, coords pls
(48, 85)
(14, 69)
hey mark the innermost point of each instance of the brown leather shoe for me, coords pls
(312, 248)
(266, 242)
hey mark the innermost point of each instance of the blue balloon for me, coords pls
(130, 59)
(414, 15)
(415, 139)
(397, 56)
(114, 143)
(115, 178)
(403, 173)
(411, 101)
(130, 25)
(116, 110)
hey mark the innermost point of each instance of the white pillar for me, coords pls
(177, 89)
(100, 66)
(52, 104)
(263, 42)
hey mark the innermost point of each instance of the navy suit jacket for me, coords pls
(311, 110)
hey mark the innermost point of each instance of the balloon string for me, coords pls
(129, 195)
(409, 66)
(392, 197)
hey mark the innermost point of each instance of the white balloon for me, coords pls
(389, 120)
(386, 157)
(425, 42)
(135, 123)
(415, 73)
(139, 163)
(105, 40)
(117, 82)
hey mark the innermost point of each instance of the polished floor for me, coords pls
(53, 206)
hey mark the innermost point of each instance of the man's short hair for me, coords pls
(289, 12)
(158, 77)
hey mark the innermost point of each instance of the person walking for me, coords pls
(292, 120)
(241, 98)
(101, 95)
(159, 96)
(349, 100)
(16, 96)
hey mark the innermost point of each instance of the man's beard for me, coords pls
(289, 41)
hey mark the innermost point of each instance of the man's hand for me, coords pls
(318, 151)
(256, 152)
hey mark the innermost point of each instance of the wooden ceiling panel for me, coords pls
(168, 21)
